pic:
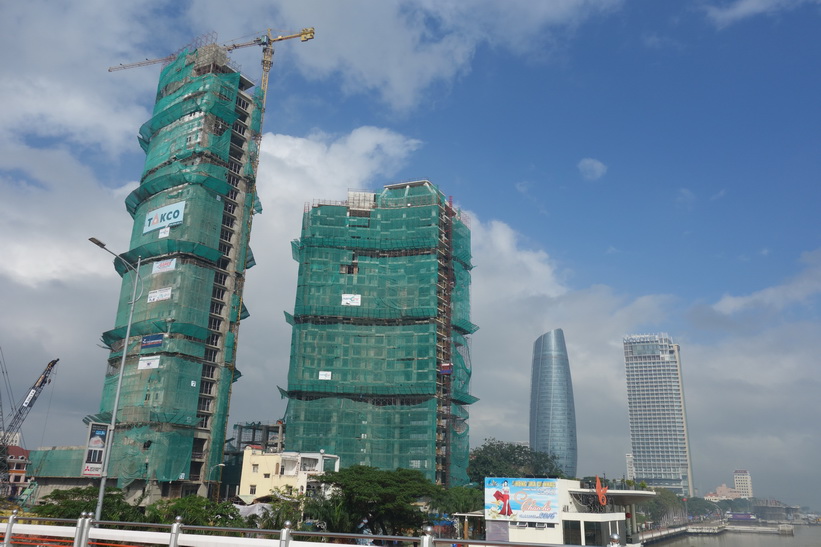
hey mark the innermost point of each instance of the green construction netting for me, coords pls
(348, 358)
(208, 175)
(176, 300)
(214, 94)
(461, 243)
(460, 446)
(220, 418)
(387, 437)
(148, 454)
(163, 247)
(412, 228)
(162, 403)
(167, 393)
(364, 331)
(200, 220)
(190, 282)
(57, 462)
(461, 300)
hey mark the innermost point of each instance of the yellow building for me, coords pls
(264, 473)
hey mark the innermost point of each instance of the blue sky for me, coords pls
(628, 167)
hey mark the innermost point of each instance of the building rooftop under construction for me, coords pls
(380, 367)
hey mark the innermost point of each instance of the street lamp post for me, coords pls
(113, 424)
(211, 482)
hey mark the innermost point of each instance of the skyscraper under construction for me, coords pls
(192, 221)
(380, 366)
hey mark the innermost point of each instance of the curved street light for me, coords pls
(211, 482)
(111, 427)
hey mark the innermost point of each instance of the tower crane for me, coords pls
(18, 418)
(265, 41)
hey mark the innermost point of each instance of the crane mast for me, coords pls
(18, 418)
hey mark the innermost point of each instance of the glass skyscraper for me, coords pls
(658, 418)
(552, 411)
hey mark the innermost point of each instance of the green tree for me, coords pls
(502, 459)
(283, 508)
(332, 512)
(384, 498)
(663, 503)
(195, 511)
(73, 501)
(458, 499)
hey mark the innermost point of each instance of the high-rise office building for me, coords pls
(552, 411)
(658, 418)
(743, 483)
(192, 220)
(380, 369)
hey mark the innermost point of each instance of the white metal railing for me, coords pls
(86, 532)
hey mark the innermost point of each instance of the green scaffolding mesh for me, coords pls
(360, 433)
(164, 395)
(187, 315)
(192, 219)
(365, 376)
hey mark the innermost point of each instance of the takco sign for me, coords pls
(164, 216)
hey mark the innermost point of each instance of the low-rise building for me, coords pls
(555, 511)
(18, 480)
(265, 473)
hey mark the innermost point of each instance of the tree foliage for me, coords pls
(663, 503)
(502, 459)
(458, 499)
(282, 508)
(195, 511)
(384, 498)
(70, 503)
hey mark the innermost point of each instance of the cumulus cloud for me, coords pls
(591, 169)
(400, 52)
(732, 12)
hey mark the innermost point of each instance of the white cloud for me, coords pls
(402, 51)
(737, 10)
(805, 285)
(718, 195)
(591, 169)
(685, 198)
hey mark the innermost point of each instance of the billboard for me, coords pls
(151, 341)
(166, 265)
(95, 448)
(351, 299)
(159, 294)
(528, 500)
(146, 363)
(169, 215)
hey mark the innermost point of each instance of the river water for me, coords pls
(805, 536)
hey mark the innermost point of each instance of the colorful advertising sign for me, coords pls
(169, 215)
(166, 265)
(151, 341)
(528, 500)
(95, 448)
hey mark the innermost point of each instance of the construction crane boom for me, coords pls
(21, 413)
(18, 418)
(264, 41)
